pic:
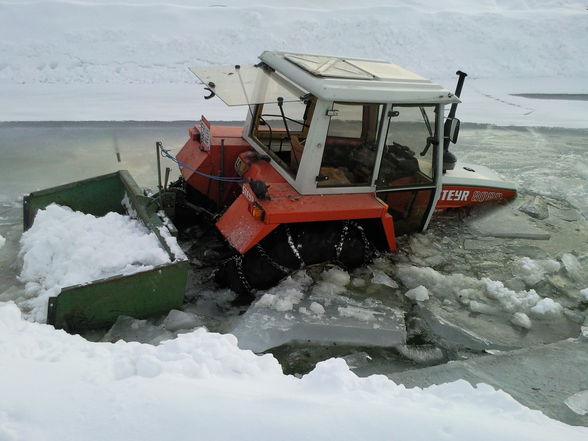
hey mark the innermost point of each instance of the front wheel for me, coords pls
(294, 246)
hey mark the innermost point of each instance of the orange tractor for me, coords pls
(337, 156)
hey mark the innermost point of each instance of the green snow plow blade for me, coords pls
(98, 304)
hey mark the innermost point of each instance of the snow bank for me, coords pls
(65, 248)
(88, 60)
(201, 383)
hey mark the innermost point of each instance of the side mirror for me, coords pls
(451, 129)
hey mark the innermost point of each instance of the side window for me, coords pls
(351, 145)
(282, 130)
(408, 157)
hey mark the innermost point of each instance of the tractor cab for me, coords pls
(332, 125)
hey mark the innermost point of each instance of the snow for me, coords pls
(287, 294)
(487, 294)
(533, 271)
(285, 301)
(203, 383)
(65, 248)
(88, 60)
(419, 294)
(337, 276)
(584, 294)
(547, 306)
(2, 241)
(334, 281)
(521, 320)
(573, 267)
(317, 308)
(128, 206)
(172, 243)
(482, 308)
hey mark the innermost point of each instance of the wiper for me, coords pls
(426, 118)
(431, 139)
(280, 105)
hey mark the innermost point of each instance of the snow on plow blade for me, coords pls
(99, 303)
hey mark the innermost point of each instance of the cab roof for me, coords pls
(355, 79)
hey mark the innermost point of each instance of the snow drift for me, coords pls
(129, 60)
(59, 386)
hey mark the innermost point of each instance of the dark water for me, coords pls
(554, 96)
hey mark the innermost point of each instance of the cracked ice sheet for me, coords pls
(546, 377)
(320, 313)
(504, 222)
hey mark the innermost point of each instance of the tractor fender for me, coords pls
(240, 228)
(243, 231)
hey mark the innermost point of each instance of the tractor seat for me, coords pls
(296, 152)
(336, 176)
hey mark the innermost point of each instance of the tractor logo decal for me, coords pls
(455, 195)
(470, 195)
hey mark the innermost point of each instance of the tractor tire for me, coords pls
(294, 246)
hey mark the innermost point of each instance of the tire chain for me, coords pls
(271, 261)
(293, 248)
(367, 246)
(239, 267)
(339, 246)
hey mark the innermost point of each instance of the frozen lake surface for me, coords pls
(478, 274)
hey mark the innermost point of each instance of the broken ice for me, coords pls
(328, 314)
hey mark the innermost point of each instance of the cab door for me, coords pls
(407, 178)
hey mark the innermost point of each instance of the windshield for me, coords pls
(281, 128)
(408, 154)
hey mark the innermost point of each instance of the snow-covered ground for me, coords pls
(200, 385)
(104, 60)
